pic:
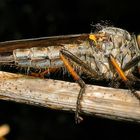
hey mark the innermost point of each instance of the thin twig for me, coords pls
(61, 95)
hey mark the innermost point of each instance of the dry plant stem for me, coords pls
(100, 101)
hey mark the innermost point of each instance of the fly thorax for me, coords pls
(117, 43)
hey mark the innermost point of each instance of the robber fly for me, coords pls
(108, 54)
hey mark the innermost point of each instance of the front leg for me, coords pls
(76, 77)
(66, 54)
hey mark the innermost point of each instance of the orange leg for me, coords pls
(123, 77)
(76, 77)
(41, 74)
(118, 69)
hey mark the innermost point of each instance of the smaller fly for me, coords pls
(108, 54)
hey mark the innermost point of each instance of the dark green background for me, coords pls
(36, 18)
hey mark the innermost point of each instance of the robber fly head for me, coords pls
(119, 43)
(111, 36)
